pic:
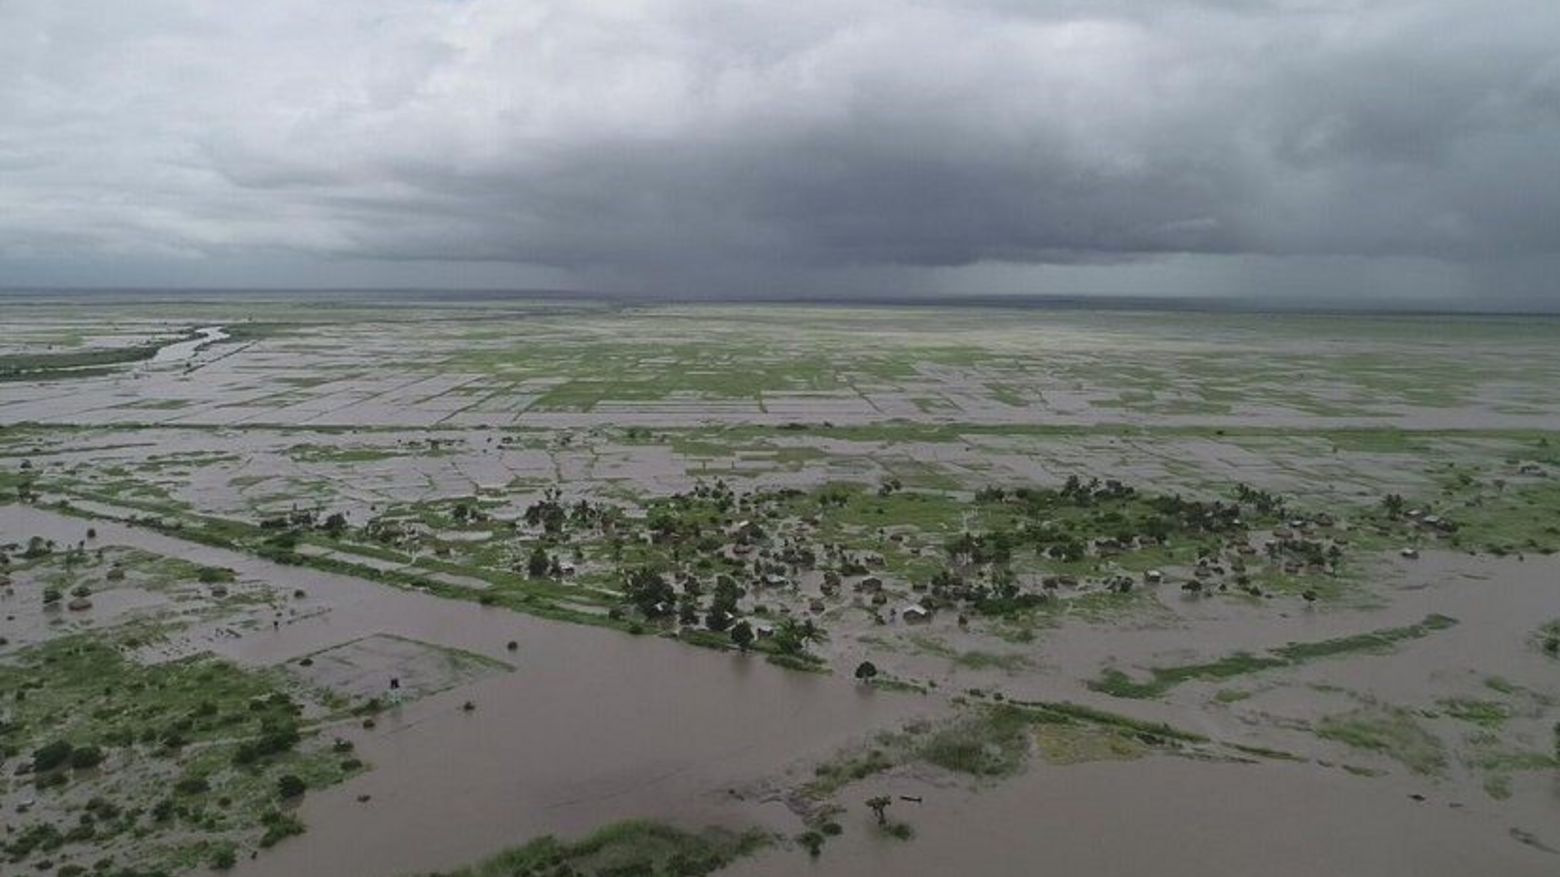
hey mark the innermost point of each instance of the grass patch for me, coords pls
(1547, 639)
(1391, 731)
(1485, 713)
(1118, 684)
(969, 660)
(183, 757)
(805, 663)
(996, 740)
(993, 741)
(80, 363)
(644, 848)
(835, 774)
(1062, 711)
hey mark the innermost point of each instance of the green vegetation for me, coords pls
(642, 848)
(972, 659)
(318, 453)
(1391, 731)
(996, 739)
(908, 530)
(185, 756)
(1547, 639)
(992, 741)
(1487, 713)
(1148, 732)
(1505, 519)
(832, 775)
(79, 363)
(1162, 679)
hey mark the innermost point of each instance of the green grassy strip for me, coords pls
(29, 364)
(637, 847)
(1066, 711)
(1118, 684)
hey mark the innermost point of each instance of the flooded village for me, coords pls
(488, 587)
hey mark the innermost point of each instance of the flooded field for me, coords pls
(501, 587)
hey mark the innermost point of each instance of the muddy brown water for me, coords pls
(595, 726)
(1169, 817)
(592, 726)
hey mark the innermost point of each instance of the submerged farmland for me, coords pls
(514, 588)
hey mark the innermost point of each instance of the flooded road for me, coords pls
(591, 726)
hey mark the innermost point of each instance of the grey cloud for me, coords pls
(669, 142)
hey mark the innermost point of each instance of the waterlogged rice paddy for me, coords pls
(535, 587)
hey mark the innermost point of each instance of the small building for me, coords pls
(915, 614)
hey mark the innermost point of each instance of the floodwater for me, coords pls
(409, 371)
(594, 726)
(182, 350)
(1497, 602)
(591, 727)
(1170, 817)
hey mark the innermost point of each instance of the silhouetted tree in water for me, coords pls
(878, 805)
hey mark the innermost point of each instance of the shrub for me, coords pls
(213, 575)
(290, 786)
(812, 840)
(279, 826)
(52, 755)
(191, 785)
(83, 757)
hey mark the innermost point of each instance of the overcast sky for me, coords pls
(1313, 150)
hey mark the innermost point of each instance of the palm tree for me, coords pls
(793, 636)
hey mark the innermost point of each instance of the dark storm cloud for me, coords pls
(687, 140)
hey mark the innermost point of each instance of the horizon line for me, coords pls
(1104, 301)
